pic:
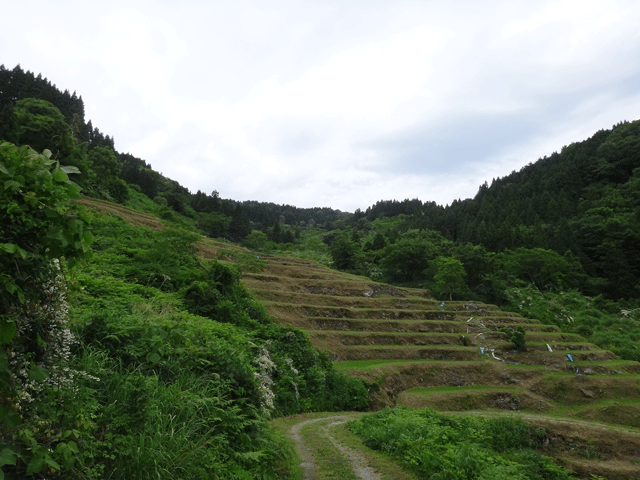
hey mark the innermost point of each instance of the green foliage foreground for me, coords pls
(37, 228)
(440, 447)
(147, 362)
(190, 367)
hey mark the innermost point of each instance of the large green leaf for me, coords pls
(11, 418)
(38, 373)
(73, 191)
(7, 457)
(87, 237)
(11, 185)
(13, 248)
(37, 462)
(60, 176)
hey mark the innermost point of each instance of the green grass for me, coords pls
(464, 397)
(463, 388)
(366, 365)
(140, 202)
(365, 333)
(434, 445)
(416, 347)
(329, 461)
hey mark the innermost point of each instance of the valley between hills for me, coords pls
(414, 351)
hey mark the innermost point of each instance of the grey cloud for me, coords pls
(300, 142)
(453, 144)
(463, 141)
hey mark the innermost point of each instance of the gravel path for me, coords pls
(358, 462)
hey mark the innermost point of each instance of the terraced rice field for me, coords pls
(397, 339)
(412, 351)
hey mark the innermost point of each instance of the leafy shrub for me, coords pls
(516, 336)
(437, 446)
(201, 298)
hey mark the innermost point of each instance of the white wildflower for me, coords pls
(43, 322)
(264, 376)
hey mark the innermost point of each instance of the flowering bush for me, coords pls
(43, 341)
(266, 369)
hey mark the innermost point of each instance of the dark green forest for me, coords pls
(582, 203)
(85, 373)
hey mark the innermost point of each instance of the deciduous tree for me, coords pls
(449, 275)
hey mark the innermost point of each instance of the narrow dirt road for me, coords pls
(357, 461)
(329, 451)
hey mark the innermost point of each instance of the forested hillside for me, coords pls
(581, 203)
(584, 200)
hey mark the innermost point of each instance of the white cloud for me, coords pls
(364, 83)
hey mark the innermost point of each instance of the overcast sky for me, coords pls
(336, 103)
